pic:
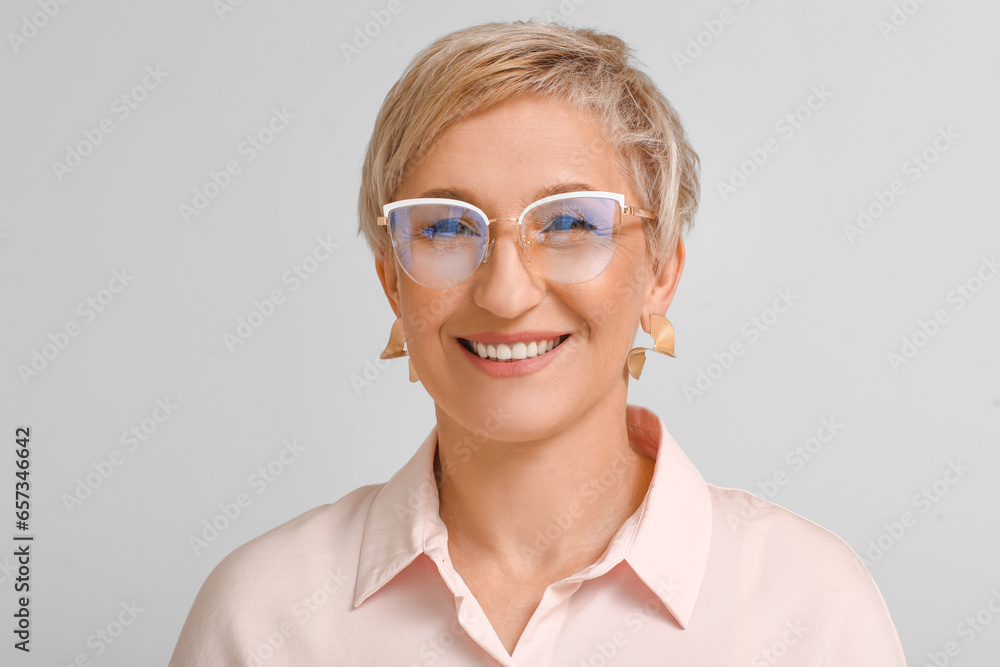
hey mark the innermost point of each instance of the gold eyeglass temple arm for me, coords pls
(639, 212)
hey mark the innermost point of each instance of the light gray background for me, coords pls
(162, 337)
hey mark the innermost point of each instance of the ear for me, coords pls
(665, 280)
(389, 276)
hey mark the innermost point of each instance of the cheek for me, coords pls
(614, 314)
(424, 311)
(618, 304)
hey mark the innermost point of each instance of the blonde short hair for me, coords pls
(473, 69)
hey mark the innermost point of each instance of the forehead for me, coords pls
(515, 153)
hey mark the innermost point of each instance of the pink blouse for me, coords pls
(698, 575)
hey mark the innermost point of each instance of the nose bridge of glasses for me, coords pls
(493, 236)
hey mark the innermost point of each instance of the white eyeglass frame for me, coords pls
(383, 220)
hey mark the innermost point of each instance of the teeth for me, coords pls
(504, 352)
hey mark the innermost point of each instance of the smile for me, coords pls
(506, 352)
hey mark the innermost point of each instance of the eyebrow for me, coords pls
(469, 197)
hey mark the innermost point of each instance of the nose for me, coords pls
(507, 284)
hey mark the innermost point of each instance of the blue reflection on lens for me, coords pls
(447, 229)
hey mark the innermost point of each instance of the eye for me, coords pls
(448, 228)
(565, 223)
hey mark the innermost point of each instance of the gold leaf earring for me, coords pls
(663, 342)
(394, 348)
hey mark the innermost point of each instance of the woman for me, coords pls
(525, 193)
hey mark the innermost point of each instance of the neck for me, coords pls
(546, 505)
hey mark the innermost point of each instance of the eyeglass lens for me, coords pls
(569, 240)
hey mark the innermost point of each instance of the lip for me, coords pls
(516, 337)
(508, 369)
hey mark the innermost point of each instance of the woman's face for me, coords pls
(504, 159)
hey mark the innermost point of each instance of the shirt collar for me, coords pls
(670, 549)
(667, 549)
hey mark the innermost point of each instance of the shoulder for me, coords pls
(329, 534)
(771, 538)
(274, 579)
(786, 566)
(745, 518)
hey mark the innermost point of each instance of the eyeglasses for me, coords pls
(569, 237)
